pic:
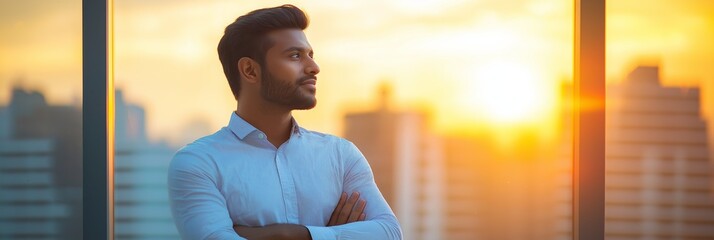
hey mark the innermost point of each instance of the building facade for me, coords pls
(407, 163)
(658, 173)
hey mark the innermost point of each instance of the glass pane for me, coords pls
(458, 107)
(658, 164)
(41, 120)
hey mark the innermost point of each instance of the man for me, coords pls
(263, 176)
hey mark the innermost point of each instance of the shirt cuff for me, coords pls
(322, 233)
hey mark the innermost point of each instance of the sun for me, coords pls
(505, 92)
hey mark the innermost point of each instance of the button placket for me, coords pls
(289, 191)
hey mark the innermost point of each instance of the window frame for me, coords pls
(588, 122)
(97, 120)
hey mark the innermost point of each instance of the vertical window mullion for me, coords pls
(589, 121)
(97, 120)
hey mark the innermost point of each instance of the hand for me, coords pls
(348, 210)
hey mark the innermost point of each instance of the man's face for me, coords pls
(289, 75)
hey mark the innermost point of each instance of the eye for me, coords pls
(295, 55)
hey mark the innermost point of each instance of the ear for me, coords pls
(249, 69)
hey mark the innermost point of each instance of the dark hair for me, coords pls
(246, 37)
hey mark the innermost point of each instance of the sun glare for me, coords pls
(504, 92)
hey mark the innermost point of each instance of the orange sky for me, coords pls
(439, 56)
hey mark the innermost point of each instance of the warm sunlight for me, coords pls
(464, 114)
(506, 92)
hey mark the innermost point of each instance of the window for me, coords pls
(41, 120)
(454, 85)
(658, 167)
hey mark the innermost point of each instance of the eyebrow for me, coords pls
(299, 49)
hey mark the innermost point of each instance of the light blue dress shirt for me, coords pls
(236, 176)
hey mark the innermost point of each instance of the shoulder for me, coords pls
(344, 149)
(199, 153)
(328, 140)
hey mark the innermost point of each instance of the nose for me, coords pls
(312, 67)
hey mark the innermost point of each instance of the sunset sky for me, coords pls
(473, 64)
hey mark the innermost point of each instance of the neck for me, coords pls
(273, 120)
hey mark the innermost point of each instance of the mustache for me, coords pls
(305, 78)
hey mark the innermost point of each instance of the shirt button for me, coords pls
(261, 136)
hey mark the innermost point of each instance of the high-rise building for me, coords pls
(463, 195)
(41, 180)
(658, 173)
(30, 203)
(407, 162)
(40, 155)
(141, 196)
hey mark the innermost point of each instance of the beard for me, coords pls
(285, 93)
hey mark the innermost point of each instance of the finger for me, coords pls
(357, 211)
(347, 209)
(338, 208)
(362, 217)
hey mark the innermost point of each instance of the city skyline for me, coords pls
(451, 45)
(199, 126)
(658, 177)
(431, 178)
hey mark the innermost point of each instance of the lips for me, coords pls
(309, 81)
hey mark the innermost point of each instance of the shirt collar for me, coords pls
(241, 128)
(297, 130)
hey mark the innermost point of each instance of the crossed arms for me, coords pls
(346, 211)
(201, 211)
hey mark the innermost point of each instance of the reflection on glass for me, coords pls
(456, 106)
(40, 120)
(658, 168)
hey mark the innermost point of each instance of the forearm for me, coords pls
(274, 232)
(380, 223)
(377, 229)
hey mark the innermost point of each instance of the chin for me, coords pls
(307, 105)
